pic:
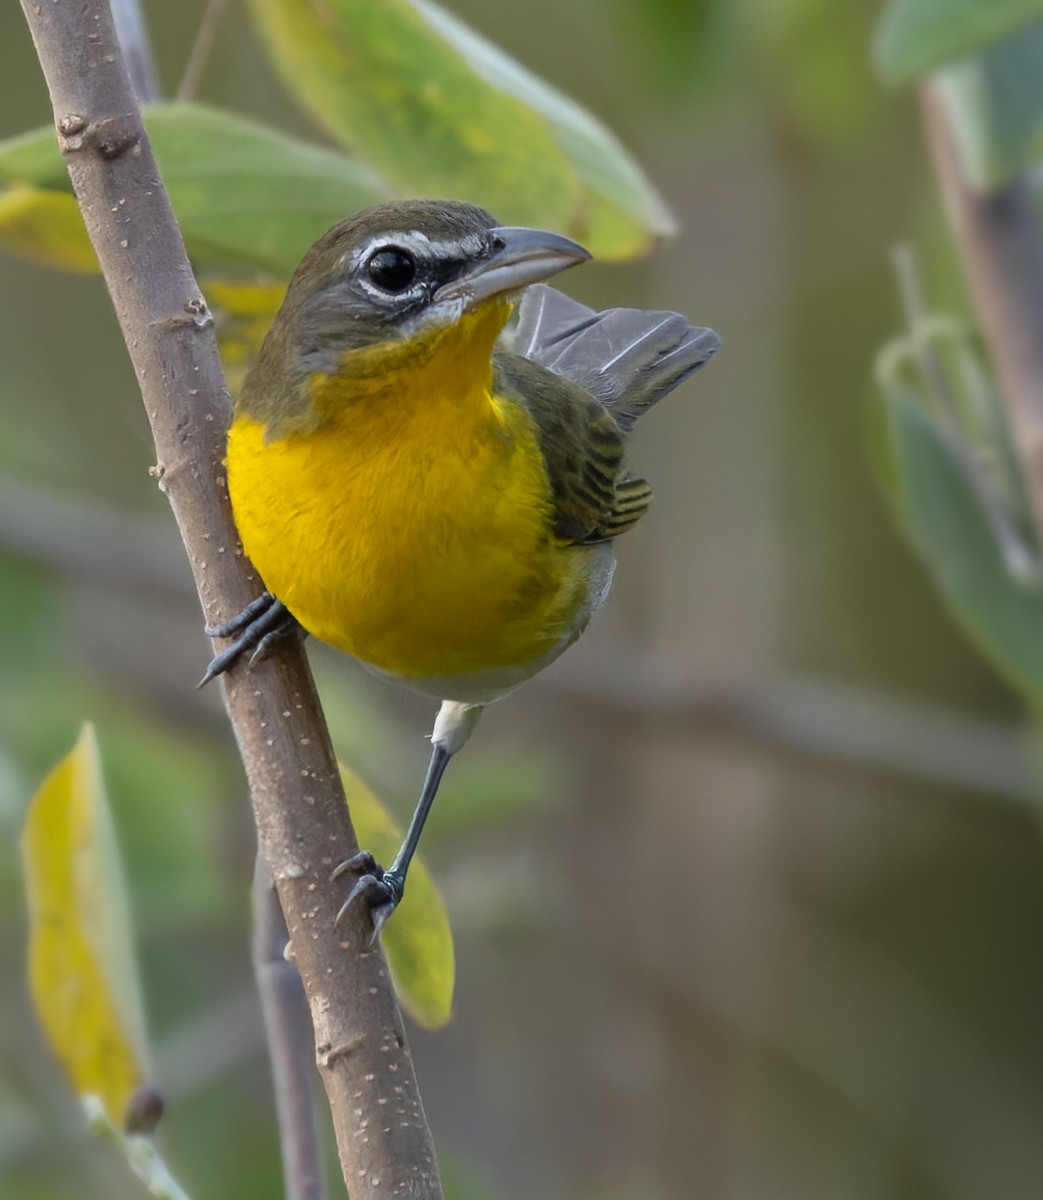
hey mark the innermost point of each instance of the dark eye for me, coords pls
(391, 269)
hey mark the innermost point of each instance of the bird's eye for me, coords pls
(391, 269)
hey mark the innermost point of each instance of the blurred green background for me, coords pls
(746, 889)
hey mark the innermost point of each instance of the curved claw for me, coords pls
(241, 620)
(362, 863)
(380, 890)
(263, 622)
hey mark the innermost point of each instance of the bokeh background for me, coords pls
(746, 889)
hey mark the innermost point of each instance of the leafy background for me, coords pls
(746, 890)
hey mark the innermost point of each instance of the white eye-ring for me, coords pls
(391, 268)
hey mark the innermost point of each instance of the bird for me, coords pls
(426, 467)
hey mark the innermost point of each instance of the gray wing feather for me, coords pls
(627, 358)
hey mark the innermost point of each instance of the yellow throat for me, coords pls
(443, 510)
(408, 522)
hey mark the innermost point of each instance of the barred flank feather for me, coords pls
(633, 497)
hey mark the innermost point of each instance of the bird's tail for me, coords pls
(628, 358)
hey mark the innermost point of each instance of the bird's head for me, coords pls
(393, 282)
(398, 268)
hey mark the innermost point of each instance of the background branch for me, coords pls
(384, 1143)
(289, 1041)
(831, 719)
(134, 41)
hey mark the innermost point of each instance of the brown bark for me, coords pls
(303, 826)
(288, 1033)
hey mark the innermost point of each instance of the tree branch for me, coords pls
(1000, 239)
(382, 1135)
(289, 1038)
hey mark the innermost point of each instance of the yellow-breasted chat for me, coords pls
(426, 462)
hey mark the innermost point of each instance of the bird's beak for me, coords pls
(519, 257)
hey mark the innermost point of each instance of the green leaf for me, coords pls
(246, 195)
(925, 476)
(915, 36)
(618, 208)
(994, 106)
(440, 111)
(246, 198)
(46, 228)
(34, 158)
(81, 965)
(417, 940)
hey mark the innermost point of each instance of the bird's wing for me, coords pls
(582, 448)
(627, 358)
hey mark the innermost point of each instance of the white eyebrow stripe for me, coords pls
(421, 245)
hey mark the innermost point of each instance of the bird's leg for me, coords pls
(380, 889)
(261, 623)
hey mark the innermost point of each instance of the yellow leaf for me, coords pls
(81, 971)
(244, 312)
(417, 940)
(45, 227)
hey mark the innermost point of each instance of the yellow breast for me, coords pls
(412, 526)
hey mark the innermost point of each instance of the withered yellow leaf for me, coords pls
(81, 967)
(417, 940)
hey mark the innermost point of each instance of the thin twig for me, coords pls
(1020, 559)
(140, 1152)
(137, 48)
(201, 47)
(915, 318)
(1000, 239)
(382, 1136)
(290, 1040)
